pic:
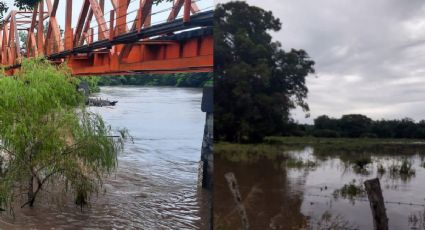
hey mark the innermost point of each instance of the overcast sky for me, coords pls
(370, 55)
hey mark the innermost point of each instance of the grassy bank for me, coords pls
(247, 152)
(230, 148)
(276, 147)
(276, 143)
(354, 142)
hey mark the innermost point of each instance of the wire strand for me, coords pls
(333, 197)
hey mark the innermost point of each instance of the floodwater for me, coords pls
(155, 185)
(300, 187)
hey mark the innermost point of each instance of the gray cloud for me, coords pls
(369, 54)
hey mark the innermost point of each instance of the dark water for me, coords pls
(280, 194)
(155, 186)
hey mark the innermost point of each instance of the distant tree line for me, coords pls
(178, 80)
(357, 125)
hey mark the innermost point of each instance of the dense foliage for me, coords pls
(48, 140)
(357, 125)
(178, 80)
(20, 4)
(93, 83)
(257, 83)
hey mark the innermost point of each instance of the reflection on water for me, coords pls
(321, 188)
(155, 186)
(266, 191)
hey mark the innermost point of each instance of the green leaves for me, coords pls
(258, 82)
(26, 4)
(48, 136)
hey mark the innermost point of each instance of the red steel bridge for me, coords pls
(120, 40)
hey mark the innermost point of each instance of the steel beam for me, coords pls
(68, 26)
(178, 45)
(40, 33)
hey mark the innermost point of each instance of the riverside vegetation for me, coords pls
(48, 139)
(193, 80)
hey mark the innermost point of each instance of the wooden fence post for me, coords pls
(234, 188)
(376, 200)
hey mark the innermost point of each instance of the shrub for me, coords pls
(48, 137)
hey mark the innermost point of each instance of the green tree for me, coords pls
(20, 4)
(355, 125)
(93, 83)
(25, 4)
(23, 36)
(47, 137)
(325, 122)
(3, 9)
(257, 83)
(406, 128)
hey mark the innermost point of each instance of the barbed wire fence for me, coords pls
(377, 205)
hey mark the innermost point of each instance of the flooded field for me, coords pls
(320, 187)
(155, 185)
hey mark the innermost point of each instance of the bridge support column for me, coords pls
(207, 157)
(207, 152)
(207, 143)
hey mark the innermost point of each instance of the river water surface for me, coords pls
(155, 186)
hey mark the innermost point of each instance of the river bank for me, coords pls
(276, 140)
(181, 80)
(272, 144)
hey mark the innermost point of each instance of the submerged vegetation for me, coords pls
(300, 163)
(48, 139)
(328, 221)
(403, 169)
(417, 220)
(350, 191)
(248, 153)
(381, 170)
(361, 163)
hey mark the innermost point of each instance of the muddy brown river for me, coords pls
(155, 185)
(301, 187)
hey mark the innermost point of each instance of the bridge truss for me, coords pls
(111, 42)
